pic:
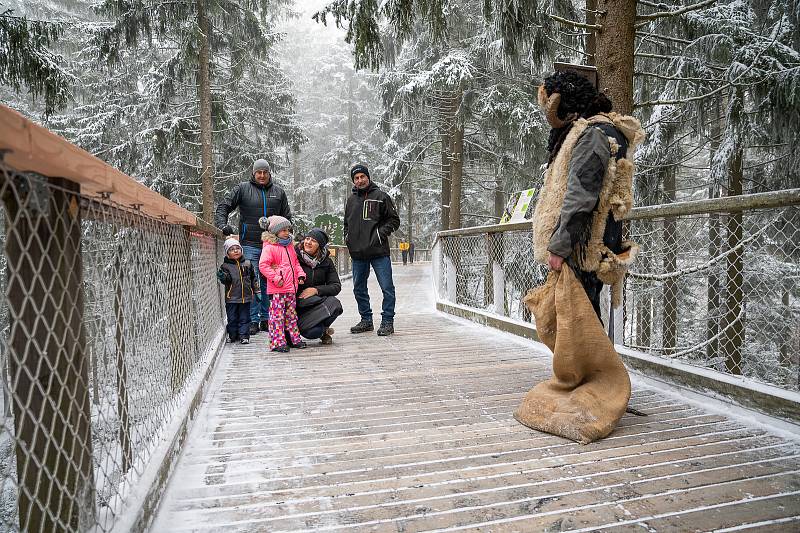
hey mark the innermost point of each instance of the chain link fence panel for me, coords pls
(108, 319)
(717, 290)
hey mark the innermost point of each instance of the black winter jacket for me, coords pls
(254, 201)
(369, 218)
(240, 280)
(322, 277)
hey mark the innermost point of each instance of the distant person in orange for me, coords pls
(404, 251)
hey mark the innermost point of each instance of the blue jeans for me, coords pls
(238, 320)
(383, 271)
(258, 311)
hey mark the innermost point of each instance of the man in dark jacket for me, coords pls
(369, 218)
(317, 305)
(256, 199)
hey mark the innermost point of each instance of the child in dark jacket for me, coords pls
(241, 284)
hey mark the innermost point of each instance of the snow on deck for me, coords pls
(414, 432)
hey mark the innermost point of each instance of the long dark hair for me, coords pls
(578, 96)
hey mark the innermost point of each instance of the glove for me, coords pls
(223, 277)
(228, 230)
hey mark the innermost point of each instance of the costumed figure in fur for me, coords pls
(577, 231)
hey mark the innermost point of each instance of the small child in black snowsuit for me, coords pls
(241, 284)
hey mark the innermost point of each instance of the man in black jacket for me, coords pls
(256, 199)
(369, 218)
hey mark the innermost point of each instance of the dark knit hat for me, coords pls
(359, 169)
(318, 235)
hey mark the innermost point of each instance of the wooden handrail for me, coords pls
(29, 147)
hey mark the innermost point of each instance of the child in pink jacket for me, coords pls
(282, 270)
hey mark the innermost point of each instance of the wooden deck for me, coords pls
(414, 432)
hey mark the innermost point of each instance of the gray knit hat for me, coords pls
(277, 223)
(262, 164)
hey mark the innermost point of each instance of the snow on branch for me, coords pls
(681, 11)
(576, 24)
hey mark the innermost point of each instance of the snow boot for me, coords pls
(326, 338)
(264, 325)
(253, 328)
(362, 327)
(387, 328)
(299, 346)
(281, 349)
(245, 340)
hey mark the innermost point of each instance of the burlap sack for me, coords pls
(590, 387)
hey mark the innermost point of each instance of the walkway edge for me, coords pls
(157, 473)
(777, 404)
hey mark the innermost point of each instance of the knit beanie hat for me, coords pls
(230, 243)
(277, 223)
(262, 164)
(358, 169)
(318, 235)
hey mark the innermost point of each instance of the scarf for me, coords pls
(285, 242)
(309, 260)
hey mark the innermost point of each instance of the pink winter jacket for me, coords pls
(279, 262)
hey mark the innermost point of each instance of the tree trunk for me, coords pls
(456, 166)
(591, 38)
(669, 296)
(444, 136)
(410, 204)
(733, 338)
(614, 56)
(204, 96)
(298, 202)
(714, 247)
(350, 109)
(499, 197)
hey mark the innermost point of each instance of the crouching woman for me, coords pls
(317, 305)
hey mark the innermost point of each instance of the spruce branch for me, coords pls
(568, 22)
(675, 13)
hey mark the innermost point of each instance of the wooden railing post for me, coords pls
(48, 360)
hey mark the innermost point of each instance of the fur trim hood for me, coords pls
(269, 238)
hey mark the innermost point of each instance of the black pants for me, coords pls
(592, 286)
(405, 256)
(316, 332)
(238, 320)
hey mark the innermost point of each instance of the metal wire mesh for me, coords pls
(718, 291)
(489, 271)
(107, 319)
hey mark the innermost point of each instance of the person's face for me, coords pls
(235, 252)
(310, 246)
(285, 233)
(361, 180)
(261, 177)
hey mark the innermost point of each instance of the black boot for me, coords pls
(264, 325)
(253, 328)
(387, 328)
(362, 327)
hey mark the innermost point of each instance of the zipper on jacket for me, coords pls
(379, 236)
(241, 279)
(264, 198)
(296, 286)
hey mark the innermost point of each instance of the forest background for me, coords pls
(183, 96)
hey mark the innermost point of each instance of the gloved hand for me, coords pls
(228, 230)
(223, 276)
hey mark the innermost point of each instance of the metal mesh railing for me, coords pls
(719, 290)
(716, 284)
(108, 319)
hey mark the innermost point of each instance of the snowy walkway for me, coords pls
(414, 432)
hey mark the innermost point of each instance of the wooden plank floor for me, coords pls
(414, 432)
